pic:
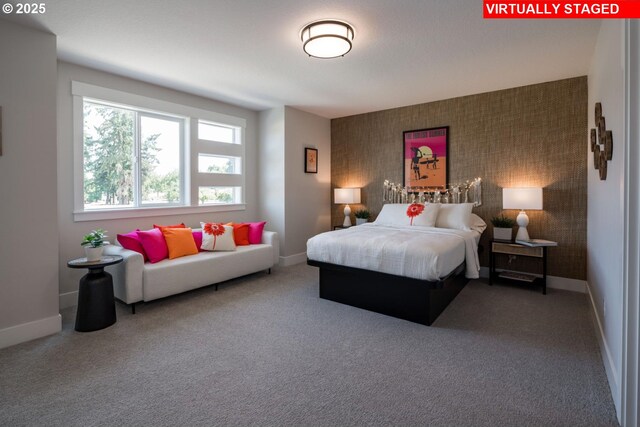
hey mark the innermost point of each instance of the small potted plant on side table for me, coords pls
(94, 244)
(362, 216)
(502, 228)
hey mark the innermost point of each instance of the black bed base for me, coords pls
(419, 301)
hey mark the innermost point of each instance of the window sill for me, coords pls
(99, 215)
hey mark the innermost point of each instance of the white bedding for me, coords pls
(426, 253)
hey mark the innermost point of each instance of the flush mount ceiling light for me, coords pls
(327, 38)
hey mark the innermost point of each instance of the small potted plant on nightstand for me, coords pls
(94, 244)
(362, 216)
(502, 227)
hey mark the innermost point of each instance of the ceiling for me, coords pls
(248, 52)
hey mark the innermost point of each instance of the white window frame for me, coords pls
(216, 148)
(192, 178)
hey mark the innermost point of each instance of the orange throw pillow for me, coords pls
(180, 242)
(240, 233)
(181, 225)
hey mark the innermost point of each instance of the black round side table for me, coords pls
(96, 306)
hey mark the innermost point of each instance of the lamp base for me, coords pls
(522, 220)
(347, 216)
(523, 234)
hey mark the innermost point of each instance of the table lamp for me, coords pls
(346, 195)
(522, 198)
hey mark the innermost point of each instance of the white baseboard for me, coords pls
(554, 282)
(30, 331)
(286, 261)
(566, 284)
(607, 359)
(70, 299)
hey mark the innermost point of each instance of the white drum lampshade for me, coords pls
(522, 198)
(346, 196)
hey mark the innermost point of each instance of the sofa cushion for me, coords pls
(181, 225)
(217, 237)
(255, 232)
(240, 234)
(197, 237)
(172, 276)
(132, 242)
(154, 244)
(180, 242)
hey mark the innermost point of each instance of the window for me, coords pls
(208, 163)
(137, 156)
(219, 195)
(131, 158)
(220, 158)
(217, 132)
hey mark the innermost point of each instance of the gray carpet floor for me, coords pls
(265, 350)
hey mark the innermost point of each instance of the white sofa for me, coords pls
(135, 281)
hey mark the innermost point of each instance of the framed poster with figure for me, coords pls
(425, 161)
(310, 160)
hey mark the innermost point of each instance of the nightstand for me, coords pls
(338, 227)
(515, 249)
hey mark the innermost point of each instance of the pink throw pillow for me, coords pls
(197, 236)
(132, 242)
(154, 244)
(255, 232)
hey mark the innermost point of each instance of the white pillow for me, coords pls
(477, 223)
(396, 214)
(455, 215)
(428, 216)
(217, 237)
(392, 214)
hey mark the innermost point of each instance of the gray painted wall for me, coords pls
(605, 213)
(271, 185)
(308, 201)
(295, 203)
(28, 193)
(71, 232)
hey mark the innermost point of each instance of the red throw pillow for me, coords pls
(154, 244)
(241, 234)
(132, 242)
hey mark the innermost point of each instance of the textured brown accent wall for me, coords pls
(523, 137)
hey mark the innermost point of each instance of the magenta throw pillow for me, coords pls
(255, 232)
(154, 244)
(197, 236)
(132, 242)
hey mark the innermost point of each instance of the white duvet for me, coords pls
(426, 253)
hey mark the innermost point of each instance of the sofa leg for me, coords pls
(269, 271)
(216, 286)
(133, 308)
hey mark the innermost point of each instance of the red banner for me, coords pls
(518, 9)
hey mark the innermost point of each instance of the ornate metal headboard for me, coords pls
(465, 192)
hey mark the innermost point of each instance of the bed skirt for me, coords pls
(419, 301)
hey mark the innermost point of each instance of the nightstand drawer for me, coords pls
(512, 249)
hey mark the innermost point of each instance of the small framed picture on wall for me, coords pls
(310, 160)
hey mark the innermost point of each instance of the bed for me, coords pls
(402, 266)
